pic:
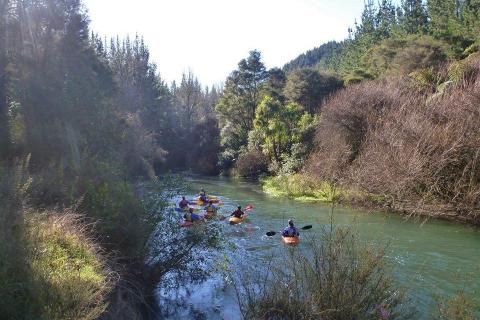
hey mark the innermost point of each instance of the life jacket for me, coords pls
(238, 213)
(290, 232)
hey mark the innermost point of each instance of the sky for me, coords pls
(210, 37)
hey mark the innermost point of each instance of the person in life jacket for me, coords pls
(211, 209)
(191, 217)
(203, 195)
(183, 204)
(238, 213)
(290, 231)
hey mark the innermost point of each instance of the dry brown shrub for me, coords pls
(252, 164)
(423, 153)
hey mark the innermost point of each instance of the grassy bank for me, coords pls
(52, 271)
(303, 187)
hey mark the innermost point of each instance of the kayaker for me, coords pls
(203, 195)
(190, 216)
(290, 231)
(238, 213)
(210, 208)
(183, 204)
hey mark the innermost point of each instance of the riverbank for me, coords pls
(303, 187)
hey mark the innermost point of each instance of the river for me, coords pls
(429, 259)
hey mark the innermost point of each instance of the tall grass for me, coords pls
(336, 277)
(49, 267)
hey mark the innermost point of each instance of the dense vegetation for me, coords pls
(85, 123)
(394, 109)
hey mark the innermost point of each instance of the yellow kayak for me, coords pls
(291, 240)
(235, 220)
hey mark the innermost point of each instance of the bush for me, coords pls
(401, 56)
(252, 164)
(389, 138)
(339, 279)
(346, 120)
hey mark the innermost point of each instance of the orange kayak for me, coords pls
(235, 220)
(291, 240)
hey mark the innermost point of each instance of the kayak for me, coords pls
(187, 224)
(199, 202)
(182, 210)
(291, 240)
(235, 220)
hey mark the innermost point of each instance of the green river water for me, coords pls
(428, 259)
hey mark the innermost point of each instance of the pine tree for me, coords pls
(471, 18)
(369, 19)
(414, 17)
(385, 19)
(239, 100)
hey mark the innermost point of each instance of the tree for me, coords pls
(455, 21)
(309, 88)
(275, 84)
(385, 19)
(238, 102)
(369, 19)
(189, 98)
(414, 17)
(279, 126)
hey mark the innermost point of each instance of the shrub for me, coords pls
(421, 151)
(251, 164)
(401, 56)
(339, 279)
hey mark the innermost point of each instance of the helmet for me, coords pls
(239, 207)
(290, 222)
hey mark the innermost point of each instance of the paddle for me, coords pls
(272, 233)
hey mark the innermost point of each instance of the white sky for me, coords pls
(211, 36)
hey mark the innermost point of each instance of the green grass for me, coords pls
(302, 188)
(57, 274)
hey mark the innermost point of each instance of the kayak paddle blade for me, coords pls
(307, 227)
(271, 233)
